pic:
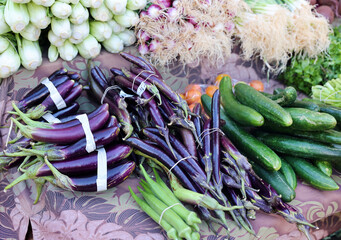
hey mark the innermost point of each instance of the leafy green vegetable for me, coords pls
(329, 93)
(303, 72)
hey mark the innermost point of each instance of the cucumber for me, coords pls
(300, 147)
(324, 166)
(307, 120)
(277, 181)
(289, 174)
(327, 136)
(245, 142)
(307, 105)
(334, 111)
(270, 110)
(283, 97)
(311, 174)
(240, 113)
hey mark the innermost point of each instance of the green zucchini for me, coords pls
(307, 120)
(245, 142)
(240, 113)
(277, 181)
(289, 174)
(268, 108)
(334, 111)
(300, 147)
(311, 174)
(324, 166)
(307, 105)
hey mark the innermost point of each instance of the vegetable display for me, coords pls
(140, 119)
(69, 28)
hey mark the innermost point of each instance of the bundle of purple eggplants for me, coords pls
(140, 120)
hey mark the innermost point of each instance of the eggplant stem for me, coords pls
(20, 168)
(39, 186)
(28, 120)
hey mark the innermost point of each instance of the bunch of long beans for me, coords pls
(60, 152)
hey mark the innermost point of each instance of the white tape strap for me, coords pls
(141, 89)
(170, 170)
(102, 170)
(166, 210)
(125, 95)
(90, 141)
(54, 94)
(50, 118)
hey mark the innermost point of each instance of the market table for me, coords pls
(113, 214)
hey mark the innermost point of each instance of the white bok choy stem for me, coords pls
(116, 28)
(4, 43)
(114, 44)
(4, 28)
(38, 15)
(128, 37)
(79, 14)
(54, 39)
(136, 4)
(128, 19)
(117, 7)
(9, 62)
(61, 27)
(16, 16)
(68, 51)
(79, 32)
(61, 10)
(89, 48)
(96, 3)
(52, 53)
(100, 30)
(31, 32)
(102, 13)
(45, 3)
(29, 52)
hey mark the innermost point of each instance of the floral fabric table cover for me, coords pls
(113, 214)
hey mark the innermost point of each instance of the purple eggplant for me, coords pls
(138, 61)
(189, 141)
(74, 76)
(62, 135)
(160, 157)
(87, 163)
(118, 106)
(112, 122)
(48, 104)
(42, 92)
(206, 139)
(68, 111)
(117, 72)
(197, 121)
(101, 137)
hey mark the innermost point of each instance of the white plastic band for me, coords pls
(166, 210)
(170, 170)
(141, 89)
(90, 142)
(102, 171)
(50, 118)
(54, 94)
(125, 95)
(9, 133)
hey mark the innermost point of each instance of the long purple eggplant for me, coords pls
(197, 121)
(37, 96)
(117, 105)
(62, 135)
(206, 139)
(189, 141)
(102, 138)
(74, 76)
(138, 61)
(87, 163)
(162, 158)
(68, 111)
(115, 176)
(48, 104)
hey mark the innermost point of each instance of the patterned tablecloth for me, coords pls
(113, 214)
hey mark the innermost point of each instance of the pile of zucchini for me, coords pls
(282, 136)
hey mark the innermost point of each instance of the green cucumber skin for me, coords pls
(245, 142)
(299, 147)
(289, 174)
(268, 108)
(305, 104)
(277, 181)
(240, 113)
(307, 120)
(324, 166)
(311, 174)
(327, 136)
(334, 111)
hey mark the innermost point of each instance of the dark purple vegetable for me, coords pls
(62, 135)
(41, 93)
(73, 94)
(115, 176)
(216, 140)
(229, 181)
(327, 11)
(206, 139)
(189, 141)
(138, 61)
(112, 122)
(87, 163)
(48, 104)
(162, 158)
(68, 111)
(154, 136)
(197, 121)
(74, 76)
(117, 72)
(101, 137)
